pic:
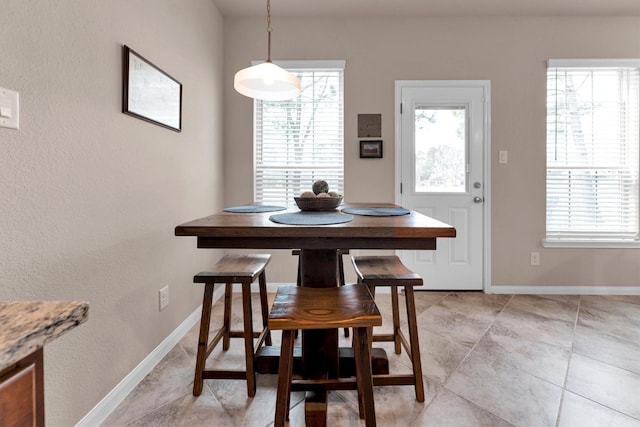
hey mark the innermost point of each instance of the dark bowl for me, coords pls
(318, 203)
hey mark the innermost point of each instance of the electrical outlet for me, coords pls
(164, 297)
(535, 258)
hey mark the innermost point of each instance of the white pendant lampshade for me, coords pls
(267, 81)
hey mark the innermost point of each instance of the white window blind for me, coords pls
(593, 116)
(300, 141)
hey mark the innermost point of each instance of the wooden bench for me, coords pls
(375, 271)
(307, 308)
(242, 269)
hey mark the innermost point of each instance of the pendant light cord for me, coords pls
(268, 30)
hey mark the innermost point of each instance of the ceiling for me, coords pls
(340, 8)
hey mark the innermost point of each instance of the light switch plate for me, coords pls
(9, 107)
(503, 157)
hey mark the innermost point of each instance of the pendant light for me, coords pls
(267, 81)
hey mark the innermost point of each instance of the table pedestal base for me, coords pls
(268, 359)
(315, 408)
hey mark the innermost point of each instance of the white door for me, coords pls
(442, 137)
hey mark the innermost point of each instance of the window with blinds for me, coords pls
(300, 141)
(593, 116)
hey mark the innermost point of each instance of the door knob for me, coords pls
(478, 199)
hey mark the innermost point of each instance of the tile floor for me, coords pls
(488, 360)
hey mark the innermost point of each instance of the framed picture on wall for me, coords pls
(149, 93)
(371, 149)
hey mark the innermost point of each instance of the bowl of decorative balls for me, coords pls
(319, 199)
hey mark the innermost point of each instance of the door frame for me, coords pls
(486, 220)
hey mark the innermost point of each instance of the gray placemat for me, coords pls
(377, 211)
(311, 218)
(254, 208)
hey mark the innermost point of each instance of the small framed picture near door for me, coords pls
(371, 149)
(149, 93)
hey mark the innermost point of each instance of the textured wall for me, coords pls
(89, 197)
(509, 51)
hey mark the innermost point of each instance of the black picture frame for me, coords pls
(371, 149)
(149, 93)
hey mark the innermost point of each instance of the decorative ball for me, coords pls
(333, 194)
(323, 195)
(308, 194)
(320, 186)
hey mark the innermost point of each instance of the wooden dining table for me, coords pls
(318, 262)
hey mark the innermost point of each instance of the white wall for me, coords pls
(89, 197)
(509, 51)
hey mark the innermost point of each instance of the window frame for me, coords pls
(298, 65)
(590, 240)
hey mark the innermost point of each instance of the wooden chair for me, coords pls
(243, 269)
(375, 271)
(307, 308)
(341, 252)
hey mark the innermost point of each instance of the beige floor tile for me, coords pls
(187, 411)
(171, 379)
(423, 302)
(607, 348)
(249, 411)
(395, 405)
(440, 356)
(577, 411)
(613, 387)
(450, 410)
(484, 307)
(537, 358)
(456, 326)
(512, 394)
(425, 299)
(536, 327)
(617, 323)
(546, 307)
(614, 303)
(569, 299)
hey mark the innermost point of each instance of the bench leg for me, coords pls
(364, 376)
(284, 379)
(228, 294)
(248, 339)
(203, 338)
(396, 319)
(414, 342)
(264, 305)
(341, 282)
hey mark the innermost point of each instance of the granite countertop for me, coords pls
(25, 326)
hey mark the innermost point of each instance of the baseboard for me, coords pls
(565, 290)
(111, 401)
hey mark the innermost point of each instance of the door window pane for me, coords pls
(440, 138)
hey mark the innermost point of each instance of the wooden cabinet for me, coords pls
(22, 392)
(26, 327)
